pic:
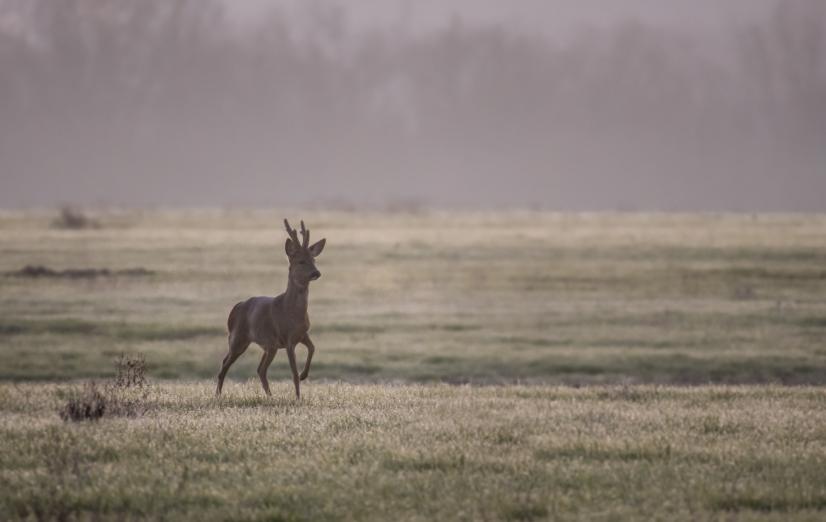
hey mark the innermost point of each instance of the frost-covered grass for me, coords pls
(420, 452)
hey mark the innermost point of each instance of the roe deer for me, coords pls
(277, 322)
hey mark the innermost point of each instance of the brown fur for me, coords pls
(277, 322)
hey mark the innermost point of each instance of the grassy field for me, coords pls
(526, 307)
(528, 297)
(421, 452)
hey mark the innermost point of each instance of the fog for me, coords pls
(561, 105)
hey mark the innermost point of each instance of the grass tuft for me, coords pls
(86, 404)
(130, 371)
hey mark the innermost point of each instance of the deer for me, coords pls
(277, 322)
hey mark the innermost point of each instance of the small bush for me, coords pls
(73, 219)
(92, 402)
(87, 404)
(125, 396)
(131, 371)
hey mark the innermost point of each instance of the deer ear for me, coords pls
(289, 247)
(316, 248)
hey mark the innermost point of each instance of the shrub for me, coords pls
(86, 404)
(130, 371)
(125, 396)
(73, 219)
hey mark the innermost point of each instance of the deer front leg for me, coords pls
(310, 351)
(294, 368)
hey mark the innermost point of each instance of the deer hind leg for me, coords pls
(266, 360)
(310, 351)
(237, 346)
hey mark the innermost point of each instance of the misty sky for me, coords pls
(556, 104)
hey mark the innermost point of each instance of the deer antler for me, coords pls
(291, 231)
(305, 235)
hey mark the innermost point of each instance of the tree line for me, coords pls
(169, 101)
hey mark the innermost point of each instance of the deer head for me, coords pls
(302, 255)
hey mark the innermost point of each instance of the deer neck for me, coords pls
(297, 297)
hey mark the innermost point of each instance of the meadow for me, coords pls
(434, 297)
(483, 366)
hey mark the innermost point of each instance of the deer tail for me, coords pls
(233, 316)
